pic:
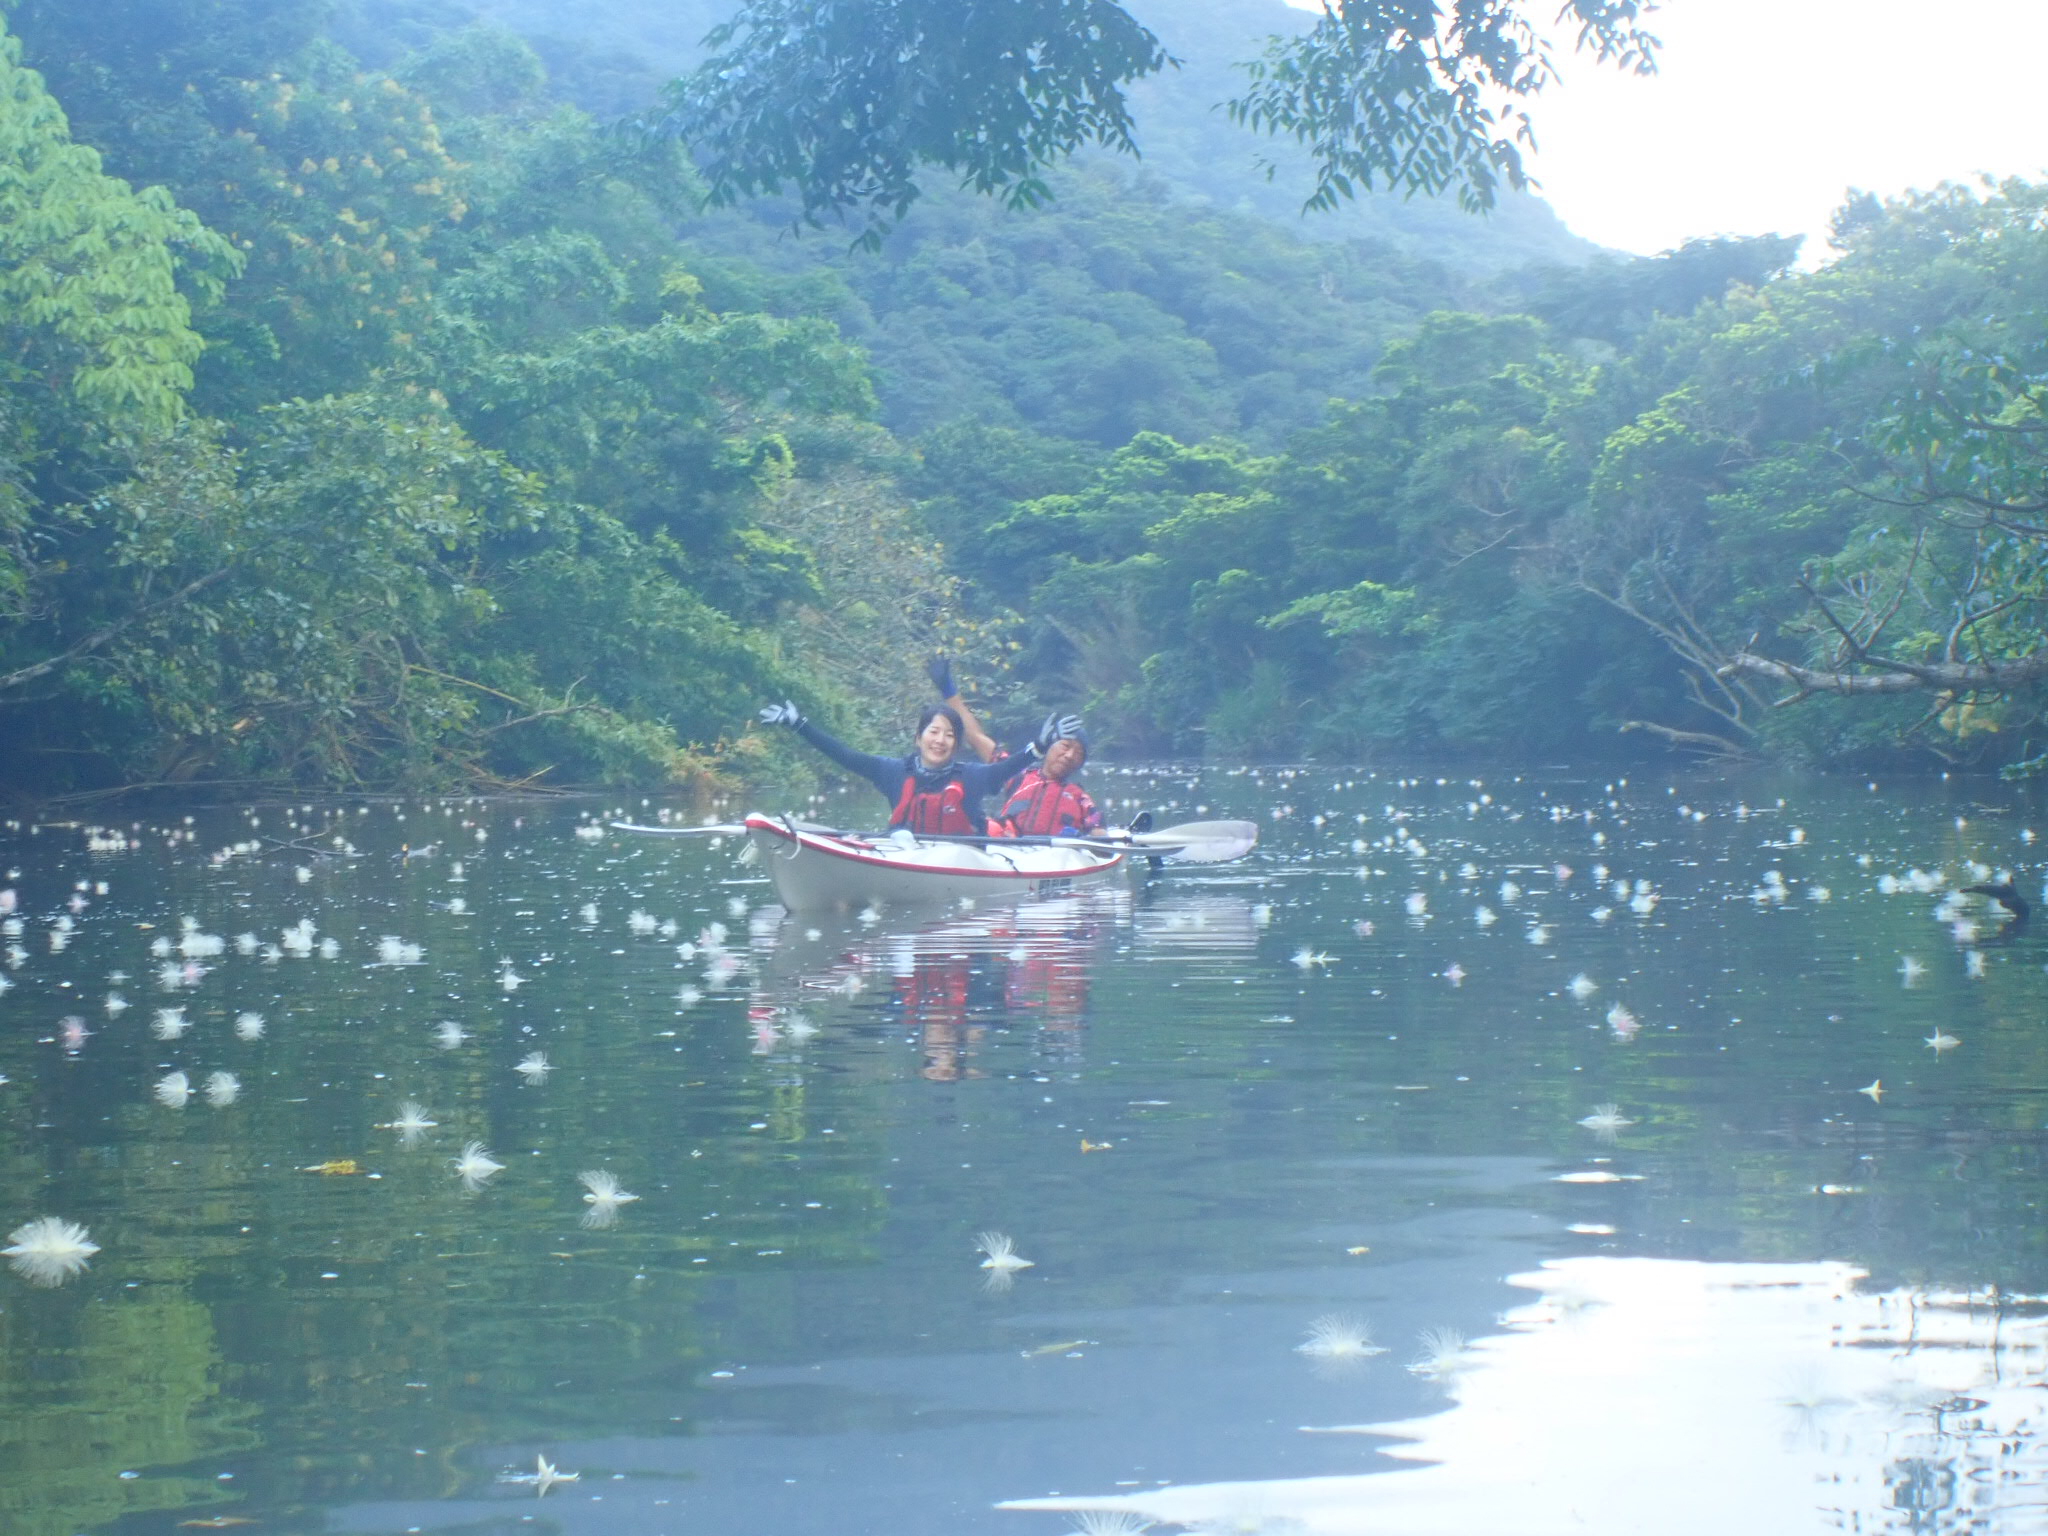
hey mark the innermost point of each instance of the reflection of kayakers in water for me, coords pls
(929, 789)
(1046, 982)
(954, 988)
(949, 999)
(936, 994)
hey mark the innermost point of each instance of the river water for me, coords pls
(1509, 1155)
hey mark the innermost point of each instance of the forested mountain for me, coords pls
(379, 419)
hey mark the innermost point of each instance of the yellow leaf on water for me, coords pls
(334, 1165)
(1065, 1346)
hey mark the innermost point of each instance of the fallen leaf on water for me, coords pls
(1060, 1348)
(334, 1165)
(1095, 1146)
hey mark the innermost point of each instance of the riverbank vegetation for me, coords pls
(374, 416)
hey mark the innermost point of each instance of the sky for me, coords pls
(1763, 112)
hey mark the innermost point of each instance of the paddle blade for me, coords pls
(1201, 842)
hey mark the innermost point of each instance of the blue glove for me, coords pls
(940, 671)
(785, 713)
(1048, 733)
(1069, 727)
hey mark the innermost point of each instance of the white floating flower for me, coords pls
(545, 1474)
(1443, 1354)
(1338, 1337)
(534, 1067)
(1109, 1522)
(172, 1090)
(475, 1165)
(222, 1089)
(49, 1250)
(1606, 1121)
(604, 1198)
(1002, 1261)
(411, 1124)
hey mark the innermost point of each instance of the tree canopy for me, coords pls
(849, 102)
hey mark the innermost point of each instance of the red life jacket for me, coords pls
(933, 810)
(1041, 805)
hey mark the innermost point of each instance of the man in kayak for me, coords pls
(1046, 799)
(929, 789)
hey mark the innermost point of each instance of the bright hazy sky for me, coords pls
(1764, 111)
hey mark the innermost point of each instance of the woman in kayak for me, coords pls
(929, 789)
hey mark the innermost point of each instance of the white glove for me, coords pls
(785, 713)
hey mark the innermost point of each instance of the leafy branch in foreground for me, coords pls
(848, 100)
(1394, 93)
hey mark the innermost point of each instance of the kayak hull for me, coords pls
(818, 870)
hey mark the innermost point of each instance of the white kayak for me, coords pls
(816, 867)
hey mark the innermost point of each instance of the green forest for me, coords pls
(388, 406)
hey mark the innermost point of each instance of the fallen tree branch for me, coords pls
(1899, 676)
(1705, 741)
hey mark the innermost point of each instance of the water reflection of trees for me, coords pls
(94, 1390)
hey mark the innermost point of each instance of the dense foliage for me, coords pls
(471, 482)
(400, 425)
(1686, 494)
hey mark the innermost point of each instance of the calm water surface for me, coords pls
(1320, 1237)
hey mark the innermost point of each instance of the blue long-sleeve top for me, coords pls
(889, 774)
